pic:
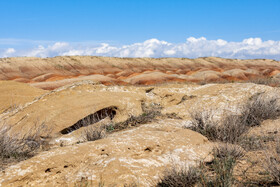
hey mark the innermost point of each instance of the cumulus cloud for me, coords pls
(191, 48)
(8, 52)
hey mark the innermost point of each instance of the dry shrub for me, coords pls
(260, 107)
(94, 133)
(16, 147)
(220, 171)
(272, 166)
(228, 150)
(232, 129)
(229, 131)
(150, 112)
(133, 121)
(179, 177)
(203, 123)
(252, 143)
(269, 81)
(272, 162)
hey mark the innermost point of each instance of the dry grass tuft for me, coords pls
(272, 166)
(260, 107)
(179, 177)
(229, 131)
(94, 133)
(269, 81)
(220, 171)
(253, 143)
(272, 163)
(228, 150)
(16, 147)
(150, 113)
(203, 123)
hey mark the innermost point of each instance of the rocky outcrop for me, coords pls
(138, 155)
(61, 109)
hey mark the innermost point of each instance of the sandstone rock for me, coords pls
(138, 155)
(223, 99)
(64, 107)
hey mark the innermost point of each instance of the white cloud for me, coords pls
(8, 52)
(195, 40)
(191, 48)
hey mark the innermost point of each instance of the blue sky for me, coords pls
(27, 25)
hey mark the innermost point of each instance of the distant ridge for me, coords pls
(51, 73)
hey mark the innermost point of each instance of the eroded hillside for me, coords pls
(93, 125)
(116, 135)
(51, 73)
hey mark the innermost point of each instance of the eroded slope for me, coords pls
(51, 73)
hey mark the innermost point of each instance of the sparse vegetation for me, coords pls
(229, 131)
(233, 129)
(17, 147)
(272, 162)
(218, 173)
(182, 177)
(203, 123)
(150, 112)
(234, 136)
(94, 133)
(272, 166)
(263, 80)
(260, 107)
(269, 81)
(12, 107)
(252, 143)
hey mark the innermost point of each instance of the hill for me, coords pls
(51, 73)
